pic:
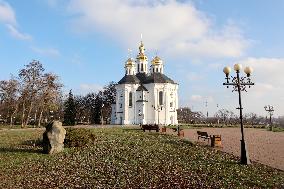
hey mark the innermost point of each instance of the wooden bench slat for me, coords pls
(204, 135)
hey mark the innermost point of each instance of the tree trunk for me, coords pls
(39, 119)
(11, 119)
(28, 115)
(35, 118)
(23, 115)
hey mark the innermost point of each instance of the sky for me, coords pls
(86, 43)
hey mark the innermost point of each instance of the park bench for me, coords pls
(176, 129)
(203, 135)
(180, 133)
(150, 127)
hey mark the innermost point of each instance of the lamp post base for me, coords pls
(244, 154)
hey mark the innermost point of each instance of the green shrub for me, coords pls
(78, 137)
(278, 129)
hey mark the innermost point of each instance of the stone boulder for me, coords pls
(53, 138)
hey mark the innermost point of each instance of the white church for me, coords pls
(145, 95)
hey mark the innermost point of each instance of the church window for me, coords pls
(171, 104)
(120, 105)
(161, 98)
(153, 70)
(157, 70)
(130, 99)
(142, 68)
(138, 67)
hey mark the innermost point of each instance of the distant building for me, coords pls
(145, 95)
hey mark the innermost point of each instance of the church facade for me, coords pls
(145, 95)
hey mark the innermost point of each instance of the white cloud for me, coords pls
(7, 14)
(193, 76)
(267, 70)
(76, 59)
(50, 52)
(201, 99)
(87, 88)
(8, 17)
(171, 26)
(268, 88)
(52, 3)
(196, 98)
(17, 34)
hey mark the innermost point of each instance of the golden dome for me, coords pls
(141, 55)
(129, 62)
(141, 48)
(156, 60)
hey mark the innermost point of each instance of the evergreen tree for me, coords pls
(97, 108)
(69, 110)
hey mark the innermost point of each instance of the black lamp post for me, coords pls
(239, 84)
(270, 110)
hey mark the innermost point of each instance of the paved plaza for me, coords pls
(265, 147)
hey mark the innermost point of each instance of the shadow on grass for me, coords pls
(35, 142)
(132, 129)
(28, 146)
(21, 150)
(179, 142)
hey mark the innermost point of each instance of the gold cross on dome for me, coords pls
(129, 53)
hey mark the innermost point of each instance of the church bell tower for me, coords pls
(142, 60)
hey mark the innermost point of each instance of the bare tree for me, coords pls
(48, 95)
(185, 115)
(9, 95)
(251, 118)
(226, 116)
(30, 79)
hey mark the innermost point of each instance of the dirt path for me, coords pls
(263, 146)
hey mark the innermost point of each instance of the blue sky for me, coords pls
(85, 42)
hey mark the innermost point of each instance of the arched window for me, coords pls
(138, 67)
(161, 98)
(130, 99)
(157, 69)
(142, 68)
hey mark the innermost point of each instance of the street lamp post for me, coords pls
(270, 110)
(239, 84)
(217, 115)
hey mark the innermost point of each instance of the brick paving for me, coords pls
(265, 147)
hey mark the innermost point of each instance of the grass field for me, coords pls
(126, 158)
